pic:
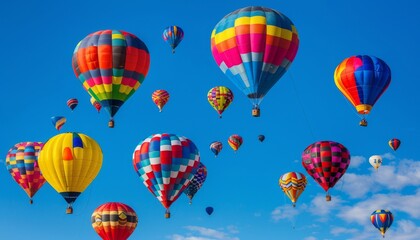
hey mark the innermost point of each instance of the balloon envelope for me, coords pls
(58, 122)
(261, 138)
(293, 184)
(95, 104)
(173, 35)
(22, 164)
(114, 221)
(394, 144)
(111, 65)
(216, 147)
(375, 161)
(72, 103)
(254, 46)
(69, 162)
(235, 141)
(209, 210)
(160, 98)
(197, 181)
(382, 220)
(220, 98)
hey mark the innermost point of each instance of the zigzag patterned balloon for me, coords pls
(197, 182)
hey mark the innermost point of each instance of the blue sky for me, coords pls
(303, 107)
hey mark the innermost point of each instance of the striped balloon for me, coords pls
(293, 184)
(394, 144)
(197, 181)
(95, 104)
(254, 47)
(114, 221)
(111, 65)
(173, 35)
(235, 141)
(220, 98)
(160, 98)
(58, 122)
(22, 164)
(216, 147)
(326, 162)
(382, 220)
(72, 103)
(166, 163)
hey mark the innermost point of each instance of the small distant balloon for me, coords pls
(375, 161)
(220, 98)
(209, 210)
(196, 182)
(72, 103)
(261, 138)
(216, 147)
(382, 220)
(235, 141)
(173, 35)
(160, 98)
(58, 122)
(95, 104)
(394, 144)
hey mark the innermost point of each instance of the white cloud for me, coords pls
(404, 230)
(202, 233)
(286, 212)
(356, 161)
(310, 238)
(320, 207)
(388, 156)
(357, 186)
(342, 230)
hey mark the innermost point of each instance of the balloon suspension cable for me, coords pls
(69, 209)
(167, 213)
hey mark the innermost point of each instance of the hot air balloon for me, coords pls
(95, 104)
(362, 80)
(293, 184)
(261, 138)
(254, 47)
(173, 35)
(114, 221)
(111, 65)
(209, 210)
(72, 103)
(220, 98)
(160, 98)
(216, 147)
(196, 182)
(394, 144)
(22, 164)
(58, 122)
(375, 161)
(235, 141)
(326, 162)
(382, 220)
(69, 162)
(166, 163)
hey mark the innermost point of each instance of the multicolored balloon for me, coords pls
(72, 103)
(160, 98)
(173, 35)
(362, 80)
(375, 161)
(22, 164)
(58, 122)
(111, 65)
(216, 147)
(293, 184)
(197, 182)
(114, 221)
(95, 104)
(382, 220)
(394, 144)
(69, 162)
(166, 163)
(209, 210)
(220, 98)
(326, 162)
(261, 138)
(235, 141)
(254, 47)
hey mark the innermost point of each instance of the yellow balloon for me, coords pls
(69, 162)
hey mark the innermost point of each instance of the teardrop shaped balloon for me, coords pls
(173, 35)
(58, 122)
(95, 104)
(72, 103)
(114, 221)
(209, 210)
(254, 46)
(382, 220)
(111, 65)
(196, 182)
(394, 144)
(293, 184)
(235, 141)
(166, 163)
(220, 98)
(326, 162)
(160, 98)
(362, 80)
(22, 164)
(375, 161)
(261, 138)
(216, 147)
(69, 162)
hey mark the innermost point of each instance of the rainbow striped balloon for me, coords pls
(293, 184)
(235, 141)
(254, 47)
(160, 98)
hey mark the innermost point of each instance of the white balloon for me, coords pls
(375, 161)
